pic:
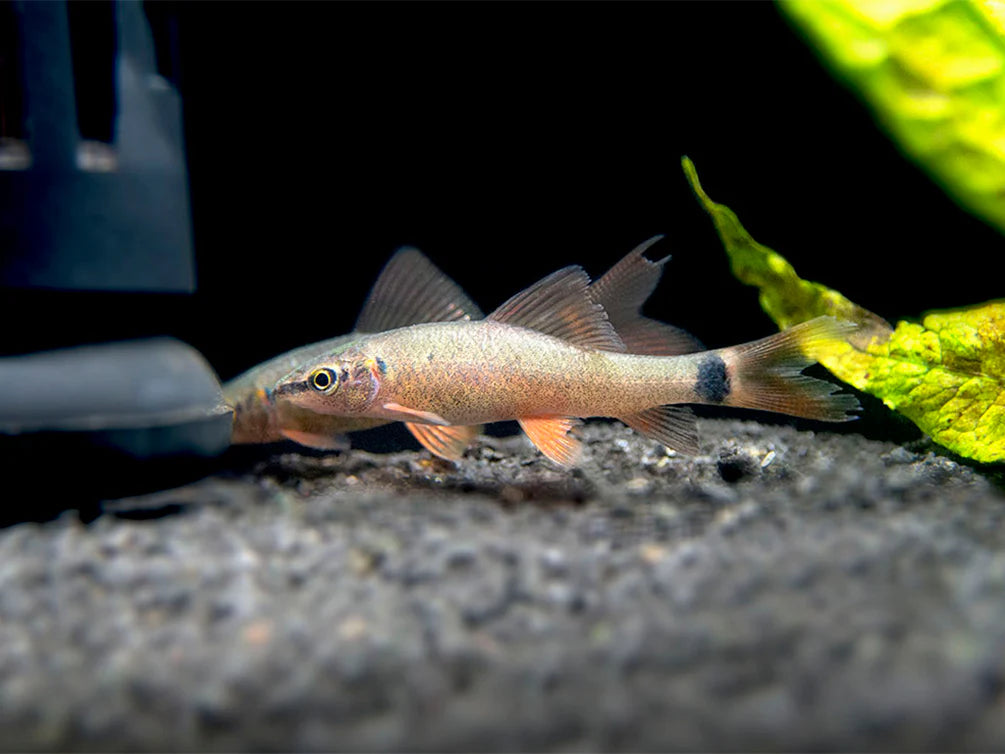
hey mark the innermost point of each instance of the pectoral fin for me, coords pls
(674, 426)
(550, 434)
(316, 440)
(445, 442)
(406, 414)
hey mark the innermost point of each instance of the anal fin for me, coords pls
(316, 440)
(445, 442)
(674, 426)
(550, 434)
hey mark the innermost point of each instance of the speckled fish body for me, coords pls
(477, 372)
(550, 355)
(409, 290)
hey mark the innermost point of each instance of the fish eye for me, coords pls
(323, 380)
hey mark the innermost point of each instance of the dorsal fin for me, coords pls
(622, 291)
(560, 306)
(653, 338)
(628, 284)
(410, 290)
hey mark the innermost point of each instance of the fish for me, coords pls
(552, 355)
(411, 289)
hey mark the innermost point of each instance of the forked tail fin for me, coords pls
(766, 374)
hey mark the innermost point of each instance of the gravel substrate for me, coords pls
(786, 589)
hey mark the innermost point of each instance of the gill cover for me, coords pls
(353, 385)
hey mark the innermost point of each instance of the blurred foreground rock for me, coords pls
(785, 590)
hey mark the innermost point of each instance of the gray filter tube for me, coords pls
(146, 397)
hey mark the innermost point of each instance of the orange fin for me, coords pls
(406, 414)
(313, 440)
(765, 374)
(622, 291)
(550, 434)
(560, 306)
(411, 289)
(445, 442)
(674, 426)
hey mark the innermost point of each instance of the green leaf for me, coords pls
(946, 374)
(934, 73)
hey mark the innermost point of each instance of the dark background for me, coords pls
(506, 140)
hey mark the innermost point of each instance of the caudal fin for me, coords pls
(766, 374)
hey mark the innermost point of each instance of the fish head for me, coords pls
(343, 385)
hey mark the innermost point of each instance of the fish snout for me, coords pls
(287, 389)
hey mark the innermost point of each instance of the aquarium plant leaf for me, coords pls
(933, 71)
(946, 374)
(787, 298)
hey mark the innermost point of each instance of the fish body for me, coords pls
(477, 372)
(410, 289)
(551, 355)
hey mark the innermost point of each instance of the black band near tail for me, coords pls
(712, 384)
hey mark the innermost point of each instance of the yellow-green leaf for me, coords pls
(934, 73)
(946, 374)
